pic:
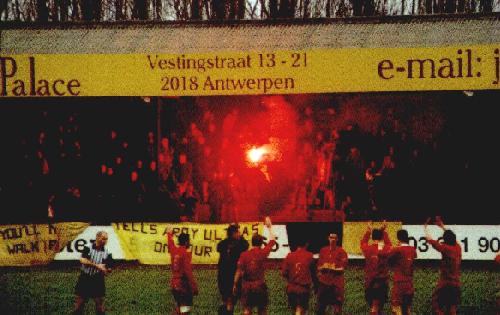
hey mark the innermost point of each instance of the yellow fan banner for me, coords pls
(353, 232)
(35, 244)
(475, 67)
(147, 242)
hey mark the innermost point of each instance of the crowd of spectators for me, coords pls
(166, 159)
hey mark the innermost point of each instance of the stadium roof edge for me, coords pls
(405, 19)
(217, 36)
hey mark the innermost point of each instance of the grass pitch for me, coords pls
(145, 290)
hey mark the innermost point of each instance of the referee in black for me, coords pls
(96, 261)
(230, 250)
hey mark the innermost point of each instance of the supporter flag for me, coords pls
(147, 242)
(35, 244)
(354, 231)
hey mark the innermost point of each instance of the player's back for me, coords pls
(450, 264)
(403, 258)
(376, 262)
(252, 264)
(179, 258)
(230, 251)
(297, 267)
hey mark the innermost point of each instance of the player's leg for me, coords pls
(79, 305)
(436, 303)
(245, 300)
(375, 307)
(304, 301)
(337, 309)
(454, 300)
(99, 305)
(184, 309)
(453, 310)
(372, 300)
(262, 299)
(301, 303)
(227, 307)
(397, 299)
(183, 302)
(292, 302)
(382, 295)
(338, 299)
(299, 310)
(321, 300)
(407, 302)
(397, 310)
(187, 304)
(320, 309)
(230, 305)
(226, 290)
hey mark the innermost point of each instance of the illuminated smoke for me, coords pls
(267, 147)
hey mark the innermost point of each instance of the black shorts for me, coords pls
(377, 291)
(90, 286)
(254, 297)
(298, 299)
(446, 296)
(330, 294)
(183, 298)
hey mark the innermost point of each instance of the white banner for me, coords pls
(479, 242)
(74, 249)
(281, 249)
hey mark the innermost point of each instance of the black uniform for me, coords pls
(230, 251)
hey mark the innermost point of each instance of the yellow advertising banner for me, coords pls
(256, 72)
(35, 244)
(147, 242)
(354, 231)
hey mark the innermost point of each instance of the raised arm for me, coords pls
(170, 240)
(440, 223)
(428, 235)
(434, 243)
(272, 237)
(366, 238)
(387, 240)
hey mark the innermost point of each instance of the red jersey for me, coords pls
(251, 263)
(450, 263)
(376, 256)
(297, 270)
(497, 259)
(182, 271)
(403, 257)
(328, 259)
(338, 216)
